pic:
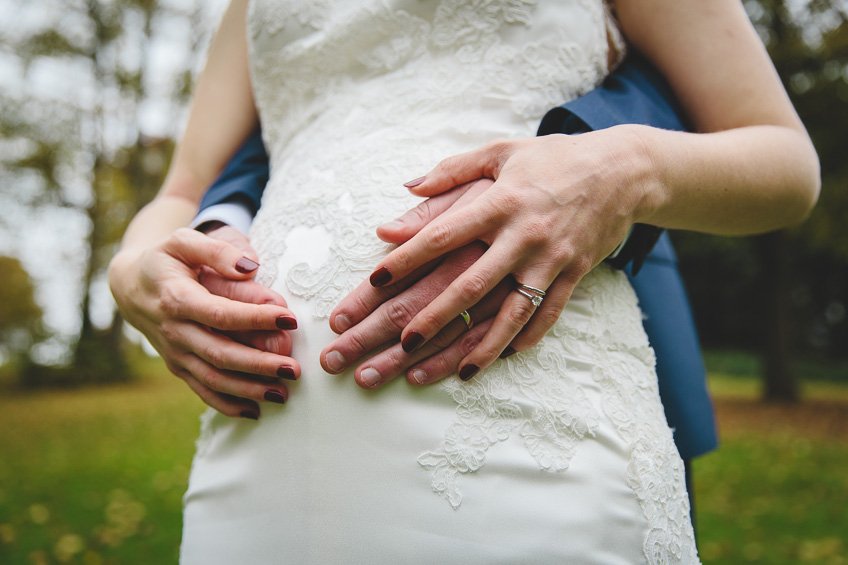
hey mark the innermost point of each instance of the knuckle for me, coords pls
(399, 313)
(358, 344)
(170, 333)
(441, 235)
(521, 313)
(468, 342)
(218, 315)
(442, 340)
(215, 356)
(472, 287)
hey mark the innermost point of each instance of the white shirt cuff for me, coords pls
(231, 213)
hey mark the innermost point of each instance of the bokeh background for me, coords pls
(96, 437)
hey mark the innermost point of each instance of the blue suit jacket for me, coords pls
(634, 94)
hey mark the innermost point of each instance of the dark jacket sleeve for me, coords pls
(244, 178)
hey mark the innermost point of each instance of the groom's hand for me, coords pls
(371, 317)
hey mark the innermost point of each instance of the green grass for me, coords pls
(96, 475)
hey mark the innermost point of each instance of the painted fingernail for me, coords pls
(412, 341)
(468, 371)
(414, 182)
(249, 415)
(419, 376)
(380, 277)
(286, 372)
(507, 352)
(287, 322)
(342, 323)
(335, 361)
(275, 396)
(245, 265)
(370, 377)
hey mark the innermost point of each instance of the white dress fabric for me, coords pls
(560, 454)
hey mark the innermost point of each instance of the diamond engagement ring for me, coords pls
(536, 295)
(466, 317)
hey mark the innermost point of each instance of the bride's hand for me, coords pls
(559, 206)
(193, 298)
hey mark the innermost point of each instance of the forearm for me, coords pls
(740, 181)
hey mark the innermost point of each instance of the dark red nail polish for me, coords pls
(414, 182)
(507, 352)
(287, 322)
(245, 265)
(468, 371)
(250, 415)
(286, 372)
(412, 341)
(380, 277)
(275, 396)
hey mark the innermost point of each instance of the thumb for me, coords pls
(234, 237)
(196, 250)
(484, 162)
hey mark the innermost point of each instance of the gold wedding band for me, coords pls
(466, 317)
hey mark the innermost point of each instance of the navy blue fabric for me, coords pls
(633, 94)
(244, 177)
(637, 94)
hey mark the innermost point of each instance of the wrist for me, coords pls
(641, 170)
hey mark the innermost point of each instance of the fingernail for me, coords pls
(412, 341)
(419, 376)
(468, 371)
(287, 322)
(275, 396)
(335, 361)
(249, 415)
(507, 352)
(415, 182)
(286, 372)
(370, 377)
(380, 277)
(245, 265)
(342, 323)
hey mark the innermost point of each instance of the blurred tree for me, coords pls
(83, 148)
(786, 292)
(20, 314)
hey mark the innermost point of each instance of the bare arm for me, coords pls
(158, 275)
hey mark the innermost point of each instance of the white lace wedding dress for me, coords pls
(556, 455)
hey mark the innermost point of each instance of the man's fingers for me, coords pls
(483, 162)
(196, 249)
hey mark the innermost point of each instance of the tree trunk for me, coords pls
(779, 379)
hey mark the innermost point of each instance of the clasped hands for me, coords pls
(539, 211)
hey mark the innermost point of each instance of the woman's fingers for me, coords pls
(387, 364)
(558, 295)
(405, 227)
(223, 403)
(224, 354)
(247, 291)
(388, 320)
(446, 362)
(468, 289)
(483, 162)
(180, 300)
(517, 310)
(231, 383)
(195, 249)
(448, 232)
